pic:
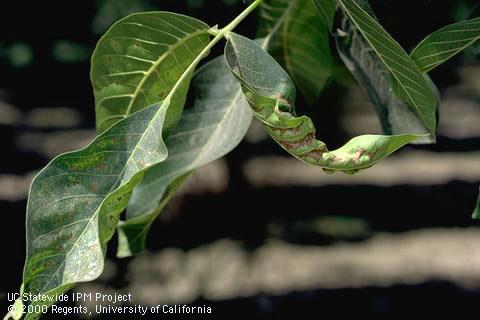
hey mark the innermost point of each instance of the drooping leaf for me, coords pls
(214, 126)
(445, 43)
(138, 61)
(407, 81)
(74, 202)
(271, 95)
(370, 72)
(298, 37)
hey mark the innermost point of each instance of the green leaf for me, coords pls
(298, 37)
(139, 60)
(214, 126)
(133, 232)
(445, 43)
(326, 10)
(396, 117)
(271, 94)
(411, 86)
(74, 202)
(476, 212)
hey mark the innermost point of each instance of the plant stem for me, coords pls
(219, 34)
(240, 17)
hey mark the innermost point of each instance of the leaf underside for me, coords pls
(75, 201)
(408, 83)
(271, 95)
(395, 116)
(214, 126)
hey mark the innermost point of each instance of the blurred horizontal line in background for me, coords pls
(225, 270)
(411, 167)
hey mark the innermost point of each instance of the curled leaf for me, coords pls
(271, 95)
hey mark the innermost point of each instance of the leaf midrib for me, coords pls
(166, 101)
(209, 141)
(455, 51)
(153, 68)
(114, 187)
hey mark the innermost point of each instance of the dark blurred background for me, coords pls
(258, 234)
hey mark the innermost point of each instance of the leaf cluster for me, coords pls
(147, 144)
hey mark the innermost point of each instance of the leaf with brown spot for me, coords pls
(263, 81)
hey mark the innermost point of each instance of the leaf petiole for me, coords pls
(219, 34)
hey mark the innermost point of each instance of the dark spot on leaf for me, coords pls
(315, 154)
(292, 146)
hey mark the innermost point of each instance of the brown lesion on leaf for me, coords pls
(316, 155)
(306, 141)
(337, 160)
(358, 155)
(282, 102)
(101, 166)
(282, 131)
(362, 152)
